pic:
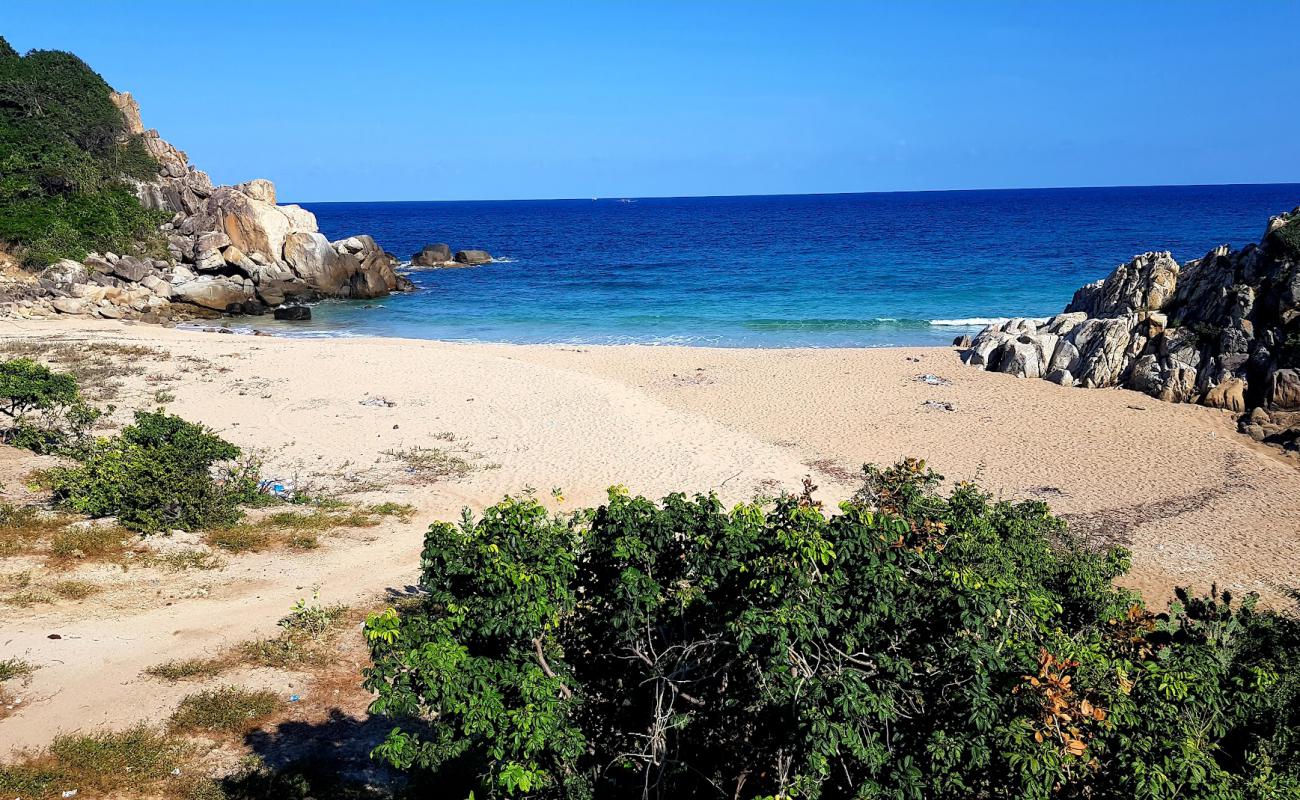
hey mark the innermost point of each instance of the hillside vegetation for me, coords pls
(65, 151)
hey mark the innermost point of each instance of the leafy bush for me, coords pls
(45, 410)
(64, 153)
(914, 645)
(160, 473)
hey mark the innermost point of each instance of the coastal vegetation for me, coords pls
(914, 644)
(160, 473)
(67, 154)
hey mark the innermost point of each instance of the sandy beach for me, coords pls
(1195, 501)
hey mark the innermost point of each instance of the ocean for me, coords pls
(845, 270)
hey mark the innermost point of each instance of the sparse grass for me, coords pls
(303, 639)
(191, 668)
(305, 636)
(240, 539)
(162, 398)
(403, 511)
(75, 590)
(230, 709)
(97, 365)
(429, 464)
(301, 530)
(138, 759)
(16, 580)
(185, 560)
(22, 527)
(14, 668)
(90, 543)
(29, 597)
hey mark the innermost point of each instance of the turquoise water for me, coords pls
(779, 271)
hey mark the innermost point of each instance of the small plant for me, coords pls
(14, 668)
(312, 619)
(305, 633)
(230, 709)
(74, 589)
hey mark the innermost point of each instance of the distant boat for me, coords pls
(625, 200)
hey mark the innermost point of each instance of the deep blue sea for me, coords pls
(779, 271)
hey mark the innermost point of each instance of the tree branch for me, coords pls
(565, 692)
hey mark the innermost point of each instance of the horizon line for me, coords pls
(823, 194)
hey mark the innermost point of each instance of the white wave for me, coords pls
(970, 321)
(503, 260)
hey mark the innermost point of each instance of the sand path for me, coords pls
(1195, 501)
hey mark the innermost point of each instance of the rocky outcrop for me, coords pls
(472, 257)
(433, 255)
(231, 249)
(1222, 331)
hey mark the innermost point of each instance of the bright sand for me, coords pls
(1195, 501)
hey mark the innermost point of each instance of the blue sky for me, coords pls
(406, 100)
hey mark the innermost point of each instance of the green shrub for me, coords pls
(913, 645)
(45, 410)
(64, 154)
(158, 474)
(1285, 241)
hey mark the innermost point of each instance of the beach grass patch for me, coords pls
(30, 597)
(229, 709)
(22, 527)
(192, 558)
(139, 759)
(90, 543)
(430, 464)
(240, 539)
(402, 511)
(75, 589)
(190, 668)
(13, 668)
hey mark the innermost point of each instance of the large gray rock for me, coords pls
(316, 263)
(217, 294)
(472, 257)
(1022, 358)
(1284, 390)
(432, 255)
(68, 305)
(132, 269)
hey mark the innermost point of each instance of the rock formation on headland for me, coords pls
(1223, 331)
(231, 249)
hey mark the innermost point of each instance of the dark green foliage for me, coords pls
(913, 645)
(157, 475)
(1285, 241)
(64, 151)
(45, 410)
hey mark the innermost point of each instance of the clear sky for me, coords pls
(426, 100)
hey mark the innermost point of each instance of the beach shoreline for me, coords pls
(1195, 501)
